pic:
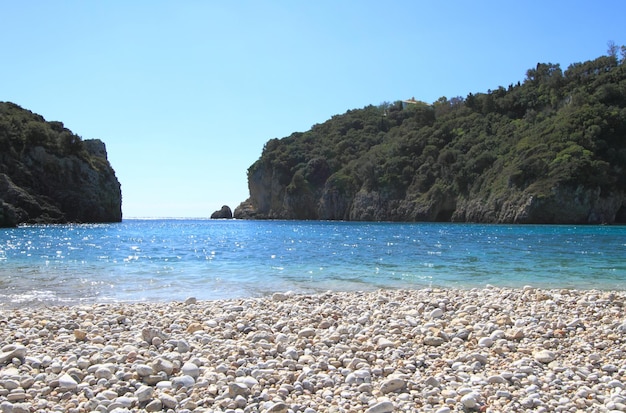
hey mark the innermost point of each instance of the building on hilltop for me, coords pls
(408, 102)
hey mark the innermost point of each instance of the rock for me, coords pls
(279, 296)
(544, 356)
(144, 370)
(56, 367)
(496, 379)
(80, 335)
(278, 407)
(249, 381)
(124, 401)
(470, 400)
(485, 342)
(381, 407)
(384, 343)
(21, 408)
(193, 327)
(610, 368)
(103, 373)
(190, 369)
(306, 359)
(150, 333)
(241, 401)
(67, 382)
(238, 389)
(17, 396)
(183, 346)
(433, 341)
(144, 393)
(262, 336)
(306, 332)
(291, 353)
(432, 382)
(168, 401)
(436, 313)
(154, 406)
(358, 376)
(515, 334)
(11, 351)
(163, 365)
(224, 213)
(10, 384)
(164, 384)
(392, 385)
(183, 381)
(504, 394)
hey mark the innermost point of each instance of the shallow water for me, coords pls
(172, 259)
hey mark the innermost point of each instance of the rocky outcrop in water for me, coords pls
(50, 175)
(224, 213)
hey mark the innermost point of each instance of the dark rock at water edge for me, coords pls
(224, 213)
(49, 175)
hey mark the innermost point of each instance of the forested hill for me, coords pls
(48, 174)
(550, 149)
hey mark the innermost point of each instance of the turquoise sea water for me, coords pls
(170, 259)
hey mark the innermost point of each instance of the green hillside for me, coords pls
(549, 149)
(48, 174)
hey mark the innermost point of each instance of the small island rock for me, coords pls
(224, 213)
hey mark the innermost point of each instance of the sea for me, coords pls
(156, 260)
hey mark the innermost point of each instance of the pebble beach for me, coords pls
(430, 350)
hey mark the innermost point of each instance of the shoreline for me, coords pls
(432, 350)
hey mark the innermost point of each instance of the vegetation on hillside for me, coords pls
(21, 129)
(557, 128)
(48, 174)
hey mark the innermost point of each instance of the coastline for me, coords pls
(430, 350)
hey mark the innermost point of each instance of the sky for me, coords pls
(185, 94)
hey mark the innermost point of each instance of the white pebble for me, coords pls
(544, 356)
(485, 342)
(433, 341)
(496, 379)
(183, 381)
(67, 382)
(470, 400)
(381, 407)
(144, 393)
(392, 385)
(307, 332)
(144, 370)
(436, 313)
(190, 369)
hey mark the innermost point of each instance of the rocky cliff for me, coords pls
(50, 175)
(564, 205)
(549, 150)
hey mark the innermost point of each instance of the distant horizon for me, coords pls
(185, 95)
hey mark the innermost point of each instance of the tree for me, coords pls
(612, 49)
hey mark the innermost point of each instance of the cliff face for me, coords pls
(50, 175)
(564, 205)
(549, 150)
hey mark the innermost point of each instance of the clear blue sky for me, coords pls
(186, 93)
